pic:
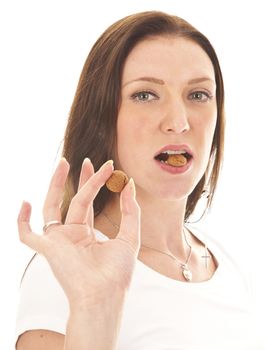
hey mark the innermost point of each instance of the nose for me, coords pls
(175, 119)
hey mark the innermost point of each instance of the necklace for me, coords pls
(184, 266)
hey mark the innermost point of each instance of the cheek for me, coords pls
(128, 131)
(130, 138)
(207, 124)
(206, 135)
(203, 132)
(209, 130)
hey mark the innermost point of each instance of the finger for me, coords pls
(130, 221)
(81, 202)
(86, 172)
(51, 210)
(26, 235)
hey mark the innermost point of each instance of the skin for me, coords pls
(78, 261)
(170, 114)
(153, 115)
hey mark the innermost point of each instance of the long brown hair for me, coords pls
(91, 128)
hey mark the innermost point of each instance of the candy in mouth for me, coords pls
(176, 160)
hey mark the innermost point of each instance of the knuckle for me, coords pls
(94, 186)
(84, 203)
(22, 237)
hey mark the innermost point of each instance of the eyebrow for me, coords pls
(161, 82)
(150, 79)
(200, 80)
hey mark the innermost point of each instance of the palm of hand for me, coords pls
(85, 268)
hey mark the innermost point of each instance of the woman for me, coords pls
(127, 271)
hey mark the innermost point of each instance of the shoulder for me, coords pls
(213, 243)
(228, 258)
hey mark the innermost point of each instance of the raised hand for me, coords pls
(88, 270)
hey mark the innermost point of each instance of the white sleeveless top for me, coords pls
(160, 313)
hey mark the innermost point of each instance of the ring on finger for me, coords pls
(51, 223)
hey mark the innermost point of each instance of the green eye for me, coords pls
(200, 96)
(143, 96)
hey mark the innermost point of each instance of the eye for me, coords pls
(200, 96)
(144, 96)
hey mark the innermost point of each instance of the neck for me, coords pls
(161, 223)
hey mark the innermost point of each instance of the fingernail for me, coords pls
(63, 160)
(86, 160)
(106, 164)
(22, 204)
(132, 187)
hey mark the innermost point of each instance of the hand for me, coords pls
(88, 270)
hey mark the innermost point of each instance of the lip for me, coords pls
(174, 170)
(175, 148)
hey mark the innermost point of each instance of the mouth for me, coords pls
(174, 158)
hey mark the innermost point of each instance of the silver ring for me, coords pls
(51, 223)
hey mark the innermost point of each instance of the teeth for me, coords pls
(175, 152)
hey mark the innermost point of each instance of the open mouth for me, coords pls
(174, 158)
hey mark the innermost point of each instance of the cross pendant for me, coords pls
(206, 256)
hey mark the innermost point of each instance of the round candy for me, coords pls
(176, 160)
(117, 181)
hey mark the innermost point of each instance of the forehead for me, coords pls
(167, 57)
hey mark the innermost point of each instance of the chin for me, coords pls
(177, 196)
(170, 194)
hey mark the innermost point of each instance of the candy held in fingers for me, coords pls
(176, 160)
(117, 181)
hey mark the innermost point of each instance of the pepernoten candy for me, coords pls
(176, 160)
(117, 181)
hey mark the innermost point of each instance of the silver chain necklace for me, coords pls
(184, 266)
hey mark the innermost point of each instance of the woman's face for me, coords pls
(168, 104)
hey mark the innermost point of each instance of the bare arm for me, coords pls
(40, 339)
(93, 329)
(96, 329)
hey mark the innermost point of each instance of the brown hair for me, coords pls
(91, 128)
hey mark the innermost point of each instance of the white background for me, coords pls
(43, 48)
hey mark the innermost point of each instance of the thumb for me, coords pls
(130, 221)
